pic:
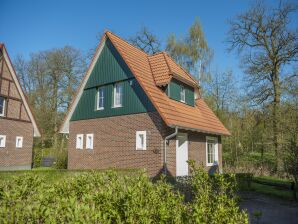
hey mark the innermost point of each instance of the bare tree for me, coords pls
(146, 41)
(192, 51)
(267, 43)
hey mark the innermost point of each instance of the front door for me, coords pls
(181, 155)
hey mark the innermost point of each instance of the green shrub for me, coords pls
(108, 197)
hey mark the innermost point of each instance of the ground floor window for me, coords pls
(141, 141)
(211, 151)
(19, 142)
(2, 141)
(89, 141)
(79, 141)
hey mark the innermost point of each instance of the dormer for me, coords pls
(176, 82)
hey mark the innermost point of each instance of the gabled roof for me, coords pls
(150, 72)
(36, 131)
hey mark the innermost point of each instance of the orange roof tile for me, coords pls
(164, 68)
(150, 70)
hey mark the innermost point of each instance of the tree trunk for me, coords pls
(276, 120)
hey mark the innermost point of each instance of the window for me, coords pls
(89, 141)
(80, 141)
(141, 140)
(2, 106)
(182, 93)
(211, 151)
(118, 94)
(19, 142)
(100, 99)
(2, 141)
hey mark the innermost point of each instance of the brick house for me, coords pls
(134, 110)
(17, 123)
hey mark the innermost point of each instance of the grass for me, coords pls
(270, 186)
(52, 174)
(272, 191)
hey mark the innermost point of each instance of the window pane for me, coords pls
(1, 105)
(182, 93)
(100, 98)
(118, 91)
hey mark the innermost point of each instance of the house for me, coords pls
(17, 123)
(134, 110)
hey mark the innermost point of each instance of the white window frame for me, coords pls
(19, 144)
(182, 93)
(99, 98)
(144, 146)
(120, 95)
(81, 145)
(3, 143)
(2, 114)
(89, 143)
(215, 140)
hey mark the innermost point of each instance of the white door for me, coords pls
(181, 155)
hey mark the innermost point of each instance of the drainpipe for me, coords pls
(165, 148)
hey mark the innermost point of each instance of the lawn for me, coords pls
(272, 186)
(53, 175)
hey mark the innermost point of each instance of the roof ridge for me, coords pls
(170, 71)
(189, 75)
(151, 69)
(109, 32)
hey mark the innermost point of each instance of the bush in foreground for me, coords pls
(110, 197)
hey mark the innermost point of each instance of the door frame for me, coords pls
(177, 145)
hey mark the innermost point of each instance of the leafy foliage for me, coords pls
(107, 197)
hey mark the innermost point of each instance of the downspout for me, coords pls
(165, 148)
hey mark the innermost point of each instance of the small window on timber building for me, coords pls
(19, 142)
(2, 141)
(79, 141)
(141, 140)
(2, 106)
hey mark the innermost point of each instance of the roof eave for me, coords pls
(201, 130)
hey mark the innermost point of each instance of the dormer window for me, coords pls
(182, 93)
(2, 106)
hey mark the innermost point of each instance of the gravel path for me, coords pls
(272, 210)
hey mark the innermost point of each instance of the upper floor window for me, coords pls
(2, 106)
(211, 151)
(182, 93)
(100, 99)
(118, 94)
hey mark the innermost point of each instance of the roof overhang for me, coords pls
(36, 132)
(199, 130)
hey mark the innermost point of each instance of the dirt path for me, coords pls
(272, 210)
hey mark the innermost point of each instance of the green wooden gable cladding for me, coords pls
(111, 68)
(173, 91)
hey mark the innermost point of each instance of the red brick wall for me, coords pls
(115, 143)
(10, 156)
(196, 151)
(115, 139)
